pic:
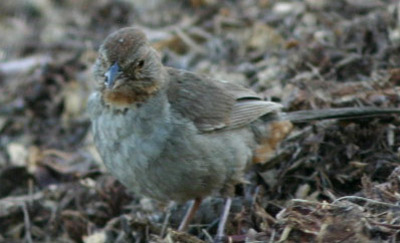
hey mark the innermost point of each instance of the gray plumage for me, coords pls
(189, 140)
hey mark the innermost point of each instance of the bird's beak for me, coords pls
(112, 74)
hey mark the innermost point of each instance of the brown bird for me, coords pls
(170, 134)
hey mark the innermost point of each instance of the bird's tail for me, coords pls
(336, 113)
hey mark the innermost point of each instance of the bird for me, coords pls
(175, 135)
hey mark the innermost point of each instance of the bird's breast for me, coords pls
(130, 138)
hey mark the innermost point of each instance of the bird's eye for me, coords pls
(140, 63)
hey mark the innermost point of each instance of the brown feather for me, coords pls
(277, 131)
(247, 111)
(127, 95)
(127, 40)
(212, 104)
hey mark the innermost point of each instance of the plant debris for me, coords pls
(330, 181)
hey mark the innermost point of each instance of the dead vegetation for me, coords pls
(331, 181)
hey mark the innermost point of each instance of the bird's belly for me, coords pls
(176, 165)
(128, 151)
(198, 165)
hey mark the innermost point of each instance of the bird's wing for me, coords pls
(213, 104)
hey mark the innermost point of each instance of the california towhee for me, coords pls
(170, 134)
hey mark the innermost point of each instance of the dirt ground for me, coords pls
(330, 181)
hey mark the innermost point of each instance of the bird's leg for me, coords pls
(224, 217)
(190, 214)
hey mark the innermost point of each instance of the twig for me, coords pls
(254, 197)
(200, 32)
(12, 203)
(391, 226)
(207, 235)
(166, 220)
(224, 217)
(305, 201)
(189, 42)
(27, 223)
(285, 233)
(23, 65)
(367, 200)
(272, 238)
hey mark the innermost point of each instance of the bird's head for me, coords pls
(128, 69)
